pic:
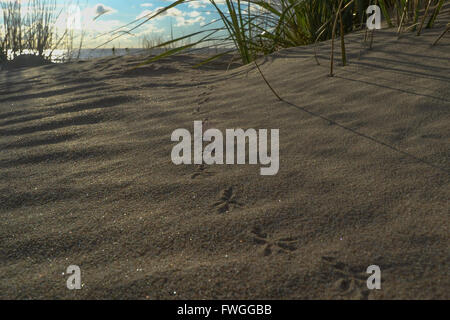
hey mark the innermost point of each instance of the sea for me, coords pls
(60, 56)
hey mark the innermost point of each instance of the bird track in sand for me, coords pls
(281, 245)
(227, 201)
(202, 171)
(351, 283)
(203, 98)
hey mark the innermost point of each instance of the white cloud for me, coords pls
(182, 22)
(172, 12)
(194, 14)
(182, 18)
(196, 4)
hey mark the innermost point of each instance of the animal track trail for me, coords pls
(202, 171)
(227, 201)
(281, 245)
(352, 281)
(203, 98)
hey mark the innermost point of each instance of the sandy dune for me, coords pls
(86, 177)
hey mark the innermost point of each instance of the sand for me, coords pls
(86, 177)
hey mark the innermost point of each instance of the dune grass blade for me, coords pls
(168, 43)
(343, 54)
(332, 38)
(234, 28)
(383, 8)
(442, 34)
(323, 29)
(424, 17)
(267, 82)
(166, 54)
(416, 15)
(435, 14)
(173, 51)
(212, 58)
(405, 9)
(315, 47)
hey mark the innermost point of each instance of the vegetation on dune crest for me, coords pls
(249, 28)
(253, 28)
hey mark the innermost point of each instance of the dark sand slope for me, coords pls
(86, 177)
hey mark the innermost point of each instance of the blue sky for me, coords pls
(184, 19)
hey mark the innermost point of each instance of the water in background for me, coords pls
(59, 56)
(86, 54)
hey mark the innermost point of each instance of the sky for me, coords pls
(97, 18)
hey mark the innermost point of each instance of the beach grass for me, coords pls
(255, 28)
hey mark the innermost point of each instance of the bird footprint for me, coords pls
(202, 171)
(227, 201)
(281, 245)
(351, 283)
